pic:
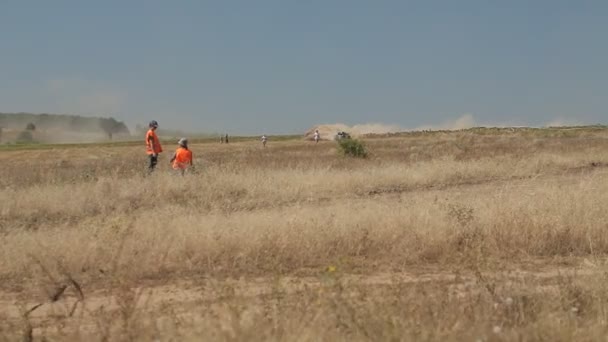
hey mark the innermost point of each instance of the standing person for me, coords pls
(226, 138)
(317, 136)
(221, 139)
(182, 158)
(264, 140)
(153, 147)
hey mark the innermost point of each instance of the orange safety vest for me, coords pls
(155, 146)
(183, 159)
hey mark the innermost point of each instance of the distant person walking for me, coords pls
(226, 139)
(182, 158)
(264, 140)
(153, 147)
(317, 136)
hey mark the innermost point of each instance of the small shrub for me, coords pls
(353, 148)
(30, 127)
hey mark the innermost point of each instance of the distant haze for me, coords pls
(465, 121)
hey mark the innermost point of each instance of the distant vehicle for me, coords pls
(342, 135)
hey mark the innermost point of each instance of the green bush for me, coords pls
(352, 148)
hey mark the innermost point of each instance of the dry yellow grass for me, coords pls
(443, 237)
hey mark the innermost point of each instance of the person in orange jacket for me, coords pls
(182, 159)
(153, 147)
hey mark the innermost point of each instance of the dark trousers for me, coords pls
(153, 162)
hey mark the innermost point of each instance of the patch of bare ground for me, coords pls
(361, 306)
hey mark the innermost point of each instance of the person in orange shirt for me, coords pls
(153, 147)
(182, 159)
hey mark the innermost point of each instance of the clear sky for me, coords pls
(281, 66)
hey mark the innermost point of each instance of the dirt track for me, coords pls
(188, 291)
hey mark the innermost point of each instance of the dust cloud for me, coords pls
(329, 131)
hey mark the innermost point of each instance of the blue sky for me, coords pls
(281, 66)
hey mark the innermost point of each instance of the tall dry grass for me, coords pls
(458, 203)
(228, 227)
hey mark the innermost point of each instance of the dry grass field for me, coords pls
(491, 235)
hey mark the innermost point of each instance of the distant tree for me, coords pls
(30, 127)
(111, 126)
